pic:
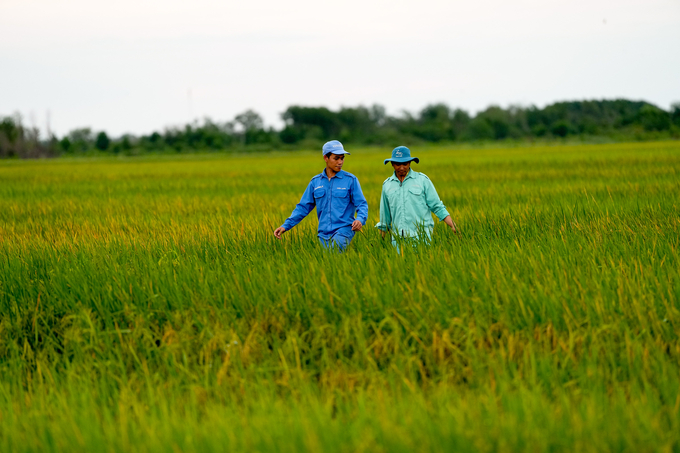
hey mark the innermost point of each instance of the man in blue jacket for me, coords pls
(337, 196)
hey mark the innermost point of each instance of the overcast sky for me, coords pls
(141, 65)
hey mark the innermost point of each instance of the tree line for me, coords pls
(309, 127)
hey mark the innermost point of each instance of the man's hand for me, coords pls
(278, 232)
(356, 225)
(450, 223)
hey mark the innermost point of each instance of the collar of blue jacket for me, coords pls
(339, 174)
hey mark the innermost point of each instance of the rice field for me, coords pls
(146, 306)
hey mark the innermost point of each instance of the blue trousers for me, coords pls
(339, 241)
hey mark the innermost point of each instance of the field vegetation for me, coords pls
(146, 306)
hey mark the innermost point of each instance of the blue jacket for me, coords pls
(336, 201)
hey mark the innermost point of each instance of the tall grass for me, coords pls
(146, 306)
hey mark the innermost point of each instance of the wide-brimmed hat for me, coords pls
(401, 155)
(334, 147)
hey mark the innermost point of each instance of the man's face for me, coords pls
(334, 161)
(400, 169)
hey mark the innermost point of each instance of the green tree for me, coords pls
(291, 134)
(249, 120)
(81, 139)
(653, 118)
(480, 129)
(306, 120)
(65, 144)
(460, 121)
(10, 129)
(675, 113)
(102, 142)
(539, 130)
(125, 144)
(357, 124)
(252, 127)
(499, 121)
(10, 134)
(560, 128)
(377, 115)
(434, 123)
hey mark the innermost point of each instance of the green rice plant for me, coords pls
(147, 306)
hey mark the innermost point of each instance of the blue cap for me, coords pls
(401, 155)
(334, 147)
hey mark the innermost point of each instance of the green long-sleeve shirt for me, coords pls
(405, 207)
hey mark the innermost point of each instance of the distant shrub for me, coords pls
(560, 128)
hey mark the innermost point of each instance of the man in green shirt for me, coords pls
(407, 199)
